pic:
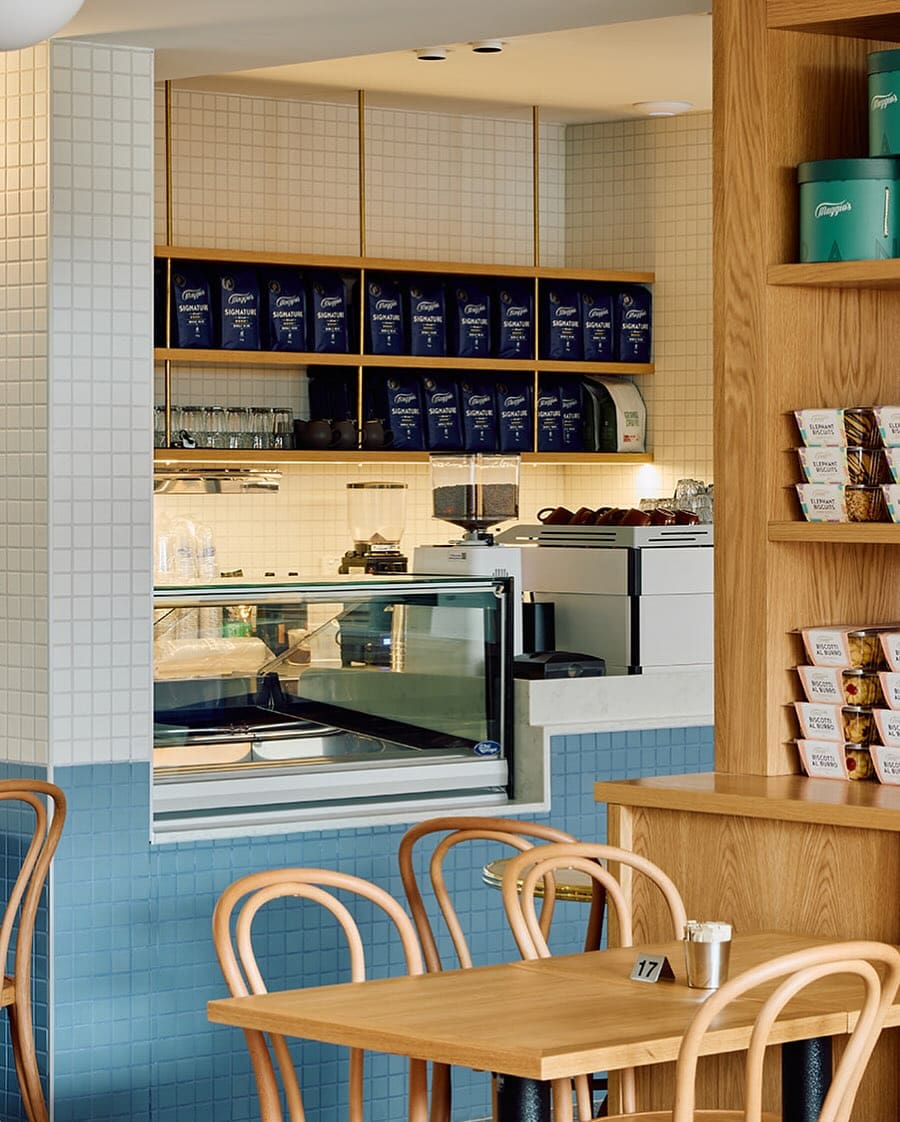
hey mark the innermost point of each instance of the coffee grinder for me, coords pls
(376, 513)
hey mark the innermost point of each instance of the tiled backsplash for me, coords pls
(442, 187)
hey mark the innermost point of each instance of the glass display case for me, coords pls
(313, 701)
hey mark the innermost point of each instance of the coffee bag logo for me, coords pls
(240, 298)
(514, 399)
(441, 398)
(547, 402)
(516, 311)
(330, 302)
(274, 287)
(193, 294)
(385, 305)
(566, 310)
(404, 398)
(479, 399)
(228, 283)
(374, 289)
(427, 306)
(287, 301)
(882, 101)
(474, 309)
(832, 210)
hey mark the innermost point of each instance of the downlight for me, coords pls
(431, 54)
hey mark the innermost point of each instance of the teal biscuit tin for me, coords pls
(884, 103)
(849, 209)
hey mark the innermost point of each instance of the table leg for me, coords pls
(805, 1078)
(522, 1100)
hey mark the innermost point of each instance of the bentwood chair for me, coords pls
(519, 836)
(520, 879)
(243, 976)
(24, 797)
(794, 972)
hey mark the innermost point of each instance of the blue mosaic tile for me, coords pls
(131, 1036)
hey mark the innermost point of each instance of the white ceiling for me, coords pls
(575, 58)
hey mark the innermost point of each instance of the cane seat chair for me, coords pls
(520, 880)
(48, 805)
(793, 973)
(458, 829)
(234, 949)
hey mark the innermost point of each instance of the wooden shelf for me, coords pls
(838, 274)
(400, 265)
(859, 533)
(856, 19)
(191, 356)
(190, 457)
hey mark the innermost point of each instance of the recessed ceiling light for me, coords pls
(663, 108)
(487, 46)
(432, 54)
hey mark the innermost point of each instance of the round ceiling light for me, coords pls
(432, 54)
(663, 108)
(487, 46)
(23, 25)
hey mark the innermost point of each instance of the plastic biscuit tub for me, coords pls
(856, 427)
(855, 465)
(848, 686)
(841, 502)
(825, 759)
(858, 647)
(845, 723)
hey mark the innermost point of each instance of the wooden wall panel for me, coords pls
(766, 875)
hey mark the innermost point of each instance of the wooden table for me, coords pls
(543, 1020)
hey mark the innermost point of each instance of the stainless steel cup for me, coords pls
(707, 951)
(706, 964)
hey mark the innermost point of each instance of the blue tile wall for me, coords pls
(134, 963)
(16, 825)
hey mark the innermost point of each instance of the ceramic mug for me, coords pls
(343, 434)
(555, 516)
(374, 435)
(317, 435)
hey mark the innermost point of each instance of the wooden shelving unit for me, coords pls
(838, 274)
(190, 356)
(840, 533)
(205, 457)
(401, 265)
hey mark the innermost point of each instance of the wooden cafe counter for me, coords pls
(782, 853)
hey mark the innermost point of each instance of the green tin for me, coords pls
(849, 209)
(884, 103)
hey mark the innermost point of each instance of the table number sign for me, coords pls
(652, 968)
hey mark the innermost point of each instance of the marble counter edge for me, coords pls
(561, 706)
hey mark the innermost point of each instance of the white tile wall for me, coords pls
(24, 685)
(100, 397)
(639, 196)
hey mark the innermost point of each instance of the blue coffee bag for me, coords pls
(549, 417)
(443, 423)
(561, 322)
(285, 291)
(402, 412)
(384, 317)
(427, 318)
(515, 416)
(514, 318)
(470, 307)
(633, 328)
(239, 309)
(571, 416)
(479, 412)
(193, 306)
(597, 323)
(328, 312)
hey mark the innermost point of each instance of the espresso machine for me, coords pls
(376, 513)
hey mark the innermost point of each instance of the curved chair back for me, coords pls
(509, 832)
(243, 975)
(527, 869)
(519, 836)
(19, 916)
(795, 972)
